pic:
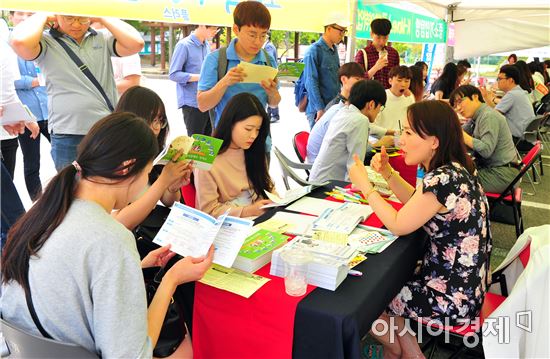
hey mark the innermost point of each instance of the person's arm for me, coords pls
(177, 71)
(210, 90)
(127, 82)
(485, 142)
(25, 37)
(438, 95)
(273, 95)
(414, 214)
(379, 65)
(26, 82)
(468, 140)
(128, 39)
(311, 81)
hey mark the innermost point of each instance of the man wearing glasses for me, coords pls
(514, 105)
(321, 67)
(185, 68)
(75, 103)
(378, 58)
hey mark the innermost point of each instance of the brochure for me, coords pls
(191, 232)
(200, 149)
(290, 196)
(342, 219)
(369, 239)
(257, 73)
(16, 112)
(257, 248)
(233, 280)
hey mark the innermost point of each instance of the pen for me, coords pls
(355, 273)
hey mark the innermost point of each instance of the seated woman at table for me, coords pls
(451, 207)
(165, 181)
(239, 175)
(78, 265)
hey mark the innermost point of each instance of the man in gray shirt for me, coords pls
(348, 132)
(514, 105)
(486, 133)
(74, 102)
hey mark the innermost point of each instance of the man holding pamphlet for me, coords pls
(220, 80)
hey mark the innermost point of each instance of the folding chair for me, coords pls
(21, 344)
(532, 134)
(300, 145)
(287, 167)
(512, 195)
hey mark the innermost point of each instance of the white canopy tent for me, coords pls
(484, 27)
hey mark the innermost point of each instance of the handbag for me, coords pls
(173, 329)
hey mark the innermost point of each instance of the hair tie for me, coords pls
(77, 166)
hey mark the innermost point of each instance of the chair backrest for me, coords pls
(526, 164)
(300, 145)
(287, 171)
(531, 132)
(25, 345)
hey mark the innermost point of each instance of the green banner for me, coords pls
(406, 26)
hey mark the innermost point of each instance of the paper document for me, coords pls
(369, 239)
(191, 232)
(342, 219)
(257, 73)
(299, 224)
(233, 280)
(200, 149)
(314, 206)
(16, 112)
(290, 196)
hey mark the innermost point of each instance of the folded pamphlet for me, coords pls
(200, 149)
(16, 112)
(191, 233)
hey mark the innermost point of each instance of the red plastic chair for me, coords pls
(490, 304)
(512, 195)
(189, 194)
(300, 145)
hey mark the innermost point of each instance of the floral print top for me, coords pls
(452, 280)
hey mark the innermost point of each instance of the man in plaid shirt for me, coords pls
(380, 57)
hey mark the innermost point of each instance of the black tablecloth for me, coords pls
(330, 324)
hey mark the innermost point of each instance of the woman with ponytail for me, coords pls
(72, 265)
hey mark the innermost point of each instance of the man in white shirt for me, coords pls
(395, 112)
(348, 132)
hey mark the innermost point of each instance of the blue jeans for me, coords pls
(11, 207)
(311, 119)
(64, 149)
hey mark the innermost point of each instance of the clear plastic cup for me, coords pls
(296, 262)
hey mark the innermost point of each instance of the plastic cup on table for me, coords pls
(296, 263)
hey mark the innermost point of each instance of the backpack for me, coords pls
(223, 63)
(300, 93)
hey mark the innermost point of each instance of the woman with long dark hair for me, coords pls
(165, 181)
(417, 83)
(525, 79)
(451, 207)
(77, 268)
(446, 82)
(239, 176)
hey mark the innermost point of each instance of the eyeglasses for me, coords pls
(80, 20)
(160, 121)
(501, 78)
(458, 101)
(342, 31)
(253, 36)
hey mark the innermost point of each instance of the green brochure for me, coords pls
(200, 149)
(290, 70)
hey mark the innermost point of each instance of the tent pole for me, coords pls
(449, 50)
(350, 46)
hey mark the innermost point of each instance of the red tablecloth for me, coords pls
(408, 173)
(226, 325)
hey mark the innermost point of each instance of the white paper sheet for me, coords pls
(300, 224)
(257, 73)
(16, 112)
(314, 206)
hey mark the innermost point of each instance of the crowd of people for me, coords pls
(105, 129)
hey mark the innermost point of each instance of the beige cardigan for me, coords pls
(222, 186)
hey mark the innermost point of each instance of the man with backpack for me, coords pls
(320, 75)
(185, 68)
(221, 78)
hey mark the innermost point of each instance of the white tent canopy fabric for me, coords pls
(484, 27)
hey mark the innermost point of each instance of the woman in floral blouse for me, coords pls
(451, 207)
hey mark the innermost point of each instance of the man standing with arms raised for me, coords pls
(185, 68)
(321, 67)
(75, 102)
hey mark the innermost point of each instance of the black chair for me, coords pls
(21, 344)
(532, 134)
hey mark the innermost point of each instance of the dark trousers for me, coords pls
(196, 122)
(9, 152)
(522, 145)
(12, 207)
(273, 112)
(31, 159)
